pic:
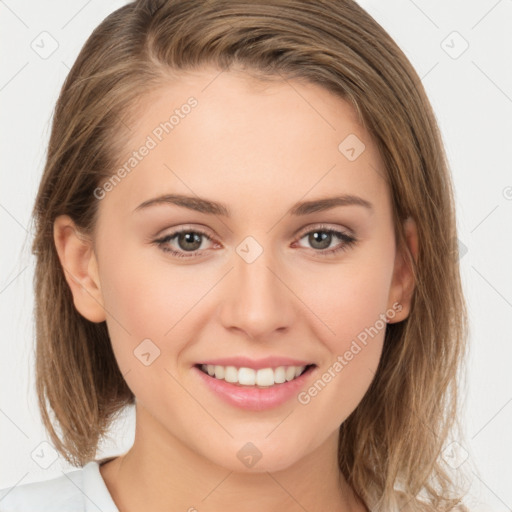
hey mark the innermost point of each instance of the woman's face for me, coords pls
(287, 259)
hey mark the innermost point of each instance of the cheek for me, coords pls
(351, 307)
(146, 301)
(348, 298)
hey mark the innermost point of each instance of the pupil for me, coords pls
(324, 239)
(189, 241)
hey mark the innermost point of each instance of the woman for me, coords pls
(245, 228)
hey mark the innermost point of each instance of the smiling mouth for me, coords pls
(249, 377)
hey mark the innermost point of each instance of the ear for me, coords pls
(403, 283)
(80, 267)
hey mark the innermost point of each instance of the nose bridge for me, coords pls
(256, 301)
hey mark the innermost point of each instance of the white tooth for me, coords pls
(265, 377)
(246, 376)
(219, 372)
(279, 375)
(299, 370)
(290, 373)
(231, 374)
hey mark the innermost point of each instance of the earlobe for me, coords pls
(403, 283)
(80, 267)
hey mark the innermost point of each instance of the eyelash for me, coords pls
(348, 241)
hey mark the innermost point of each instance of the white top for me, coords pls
(81, 490)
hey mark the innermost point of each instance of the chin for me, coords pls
(254, 456)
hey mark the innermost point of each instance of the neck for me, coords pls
(160, 473)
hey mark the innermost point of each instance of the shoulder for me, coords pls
(80, 490)
(56, 494)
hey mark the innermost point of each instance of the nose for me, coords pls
(257, 300)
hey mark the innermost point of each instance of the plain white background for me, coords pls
(471, 92)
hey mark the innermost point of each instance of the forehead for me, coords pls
(246, 142)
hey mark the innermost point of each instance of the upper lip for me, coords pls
(256, 364)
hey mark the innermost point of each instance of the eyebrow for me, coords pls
(214, 208)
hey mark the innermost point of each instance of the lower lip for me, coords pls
(254, 398)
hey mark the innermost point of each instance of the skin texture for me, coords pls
(259, 149)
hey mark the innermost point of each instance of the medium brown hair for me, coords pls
(391, 444)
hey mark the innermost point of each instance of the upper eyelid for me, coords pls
(323, 227)
(185, 229)
(299, 233)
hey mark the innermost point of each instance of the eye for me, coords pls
(322, 237)
(185, 241)
(189, 243)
